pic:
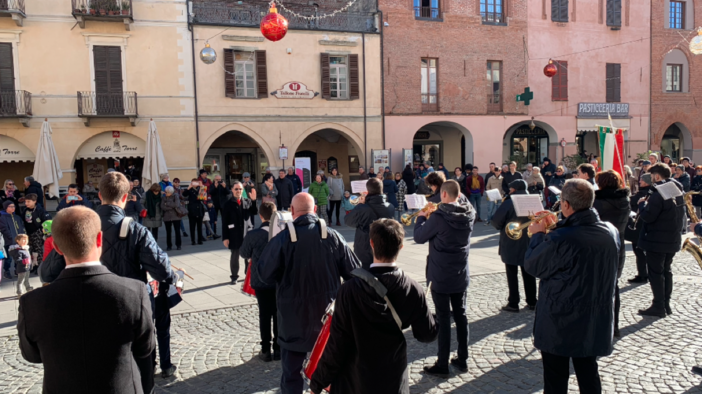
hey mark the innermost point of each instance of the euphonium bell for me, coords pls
(354, 200)
(406, 218)
(688, 245)
(514, 230)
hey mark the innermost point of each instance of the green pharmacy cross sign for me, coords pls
(527, 96)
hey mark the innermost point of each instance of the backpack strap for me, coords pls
(379, 289)
(322, 228)
(293, 234)
(124, 227)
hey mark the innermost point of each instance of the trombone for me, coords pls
(406, 218)
(514, 230)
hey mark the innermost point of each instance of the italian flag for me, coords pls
(611, 149)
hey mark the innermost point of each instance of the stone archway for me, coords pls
(552, 144)
(456, 141)
(262, 143)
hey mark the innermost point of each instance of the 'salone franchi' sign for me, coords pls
(294, 90)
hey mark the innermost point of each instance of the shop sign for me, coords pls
(526, 131)
(294, 90)
(95, 172)
(601, 110)
(13, 150)
(116, 147)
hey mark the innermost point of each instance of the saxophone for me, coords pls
(688, 245)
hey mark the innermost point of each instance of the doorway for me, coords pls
(237, 165)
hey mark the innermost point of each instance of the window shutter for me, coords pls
(326, 88)
(555, 10)
(563, 80)
(229, 89)
(114, 62)
(563, 11)
(353, 77)
(261, 74)
(614, 12)
(610, 83)
(7, 72)
(617, 82)
(102, 79)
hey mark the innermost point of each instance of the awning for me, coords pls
(13, 150)
(587, 125)
(113, 144)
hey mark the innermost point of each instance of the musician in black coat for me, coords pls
(577, 265)
(367, 352)
(632, 233)
(90, 326)
(612, 204)
(235, 213)
(512, 252)
(661, 238)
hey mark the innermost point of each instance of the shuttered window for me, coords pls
(107, 62)
(614, 12)
(340, 78)
(559, 82)
(614, 75)
(559, 10)
(7, 80)
(245, 74)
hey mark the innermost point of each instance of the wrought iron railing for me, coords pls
(123, 104)
(494, 102)
(430, 102)
(106, 8)
(493, 17)
(249, 14)
(12, 5)
(426, 12)
(15, 103)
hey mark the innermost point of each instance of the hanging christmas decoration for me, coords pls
(207, 54)
(550, 70)
(696, 43)
(274, 26)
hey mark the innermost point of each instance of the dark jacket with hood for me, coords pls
(375, 207)
(662, 222)
(367, 351)
(11, 225)
(35, 187)
(307, 273)
(549, 168)
(286, 191)
(577, 266)
(408, 177)
(448, 231)
(613, 206)
(696, 185)
(220, 196)
(196, 207)
(234, 214)
(390, 191)
(684, 180)
(21, 257)
(512, 252)
(252, 248)
(296, 182)
(33, 218)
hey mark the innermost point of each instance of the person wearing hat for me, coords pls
(11, 225)
(653, 158)
(206, 183)
(512, 252)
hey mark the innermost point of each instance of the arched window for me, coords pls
(676, 72)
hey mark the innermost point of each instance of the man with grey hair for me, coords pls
(577, 265)
(32, 186)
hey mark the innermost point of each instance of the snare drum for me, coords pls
(310, 364)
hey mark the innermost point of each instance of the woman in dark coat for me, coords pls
(196, 210)
(408, 177)
(696, 185)
(390, 189)
(512, 252)
(612, 204)
(557, 181)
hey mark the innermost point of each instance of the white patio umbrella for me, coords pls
(47, 169)
(154, 161)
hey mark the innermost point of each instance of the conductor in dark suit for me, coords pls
(89, 326)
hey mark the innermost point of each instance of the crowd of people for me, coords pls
(106, 256)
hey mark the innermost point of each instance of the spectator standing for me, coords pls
(286, 190)
(696, 185)
(196, 210)
(220, 195)
(408, 176)
(371, 173)
(235, 214)
(154, 214)
(319, 191)
(401, 192)
(296, 181)
(73, 199)
(495, 182)
(653, 158)
(459, 177)
(10, 193)
(183, 202)
(165, 182)
(134, 207)
(684, 179)
(511, 176)
(205, 183)
(444, 170)
(548, 170)
(346, 203)
(687, 164)
(490, 173)
(390, 189)
(11, 225)
(557, 181)
(536, 182)
(137, 189)
(528, 171)
(476, 184)
(32, 186)
(362, 175)
(171, 208)
(268, 191)
(34, 217)
(336, 188)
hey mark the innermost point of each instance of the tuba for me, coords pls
(688, 245)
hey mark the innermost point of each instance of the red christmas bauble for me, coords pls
(274, 26)
(550, 70)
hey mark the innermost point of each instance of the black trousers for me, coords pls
(175, 224)
(333, 204)
(234, 264)
(146, 365)
(154, 232)
(640, 261)
(163, 327)
(196, 225)
(557, 373)
(291, 380)
(660, 276)
(267, 311)
(513, 284)
(213, 221)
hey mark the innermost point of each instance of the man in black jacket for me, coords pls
(90, 328)
(286, 191)
(235, 213)
(448, 231)
(510, 176)
(307, 270)
(367, 351)
(372, 207)
(296, 181)
(220, 195)
(32, 186)
(586, 172)
(660, 238)
(577, 266)
(252, 248)
(512, 252)
(632, 236)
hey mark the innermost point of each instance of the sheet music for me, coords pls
(554, 190)
(668, 190)
(415, 201)
(358, 187)
(526, 205)
(494, 195)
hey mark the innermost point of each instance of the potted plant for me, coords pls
(93, 8)
(82, 9)
(110, 9)
(125, 8)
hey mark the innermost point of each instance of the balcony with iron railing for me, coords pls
(107, 105)
(494, 103)
(16, 104)
(360, 17)
(102, 10)
(430, 102)
(13, 9)
(426, 13)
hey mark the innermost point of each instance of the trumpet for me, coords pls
(688, 245)
(406, 218)
(514, 230)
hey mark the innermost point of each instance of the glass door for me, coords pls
(238, 164)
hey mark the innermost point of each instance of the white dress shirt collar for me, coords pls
(393, 264)
(88, 264)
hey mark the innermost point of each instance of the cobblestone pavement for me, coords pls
(215, 350)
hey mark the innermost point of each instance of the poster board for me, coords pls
(303, 169)
(407, 155)
(95, 173)
(380, 159)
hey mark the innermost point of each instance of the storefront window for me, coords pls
(671, 146)
(529, 146)
(428, 151)
(212, 164)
